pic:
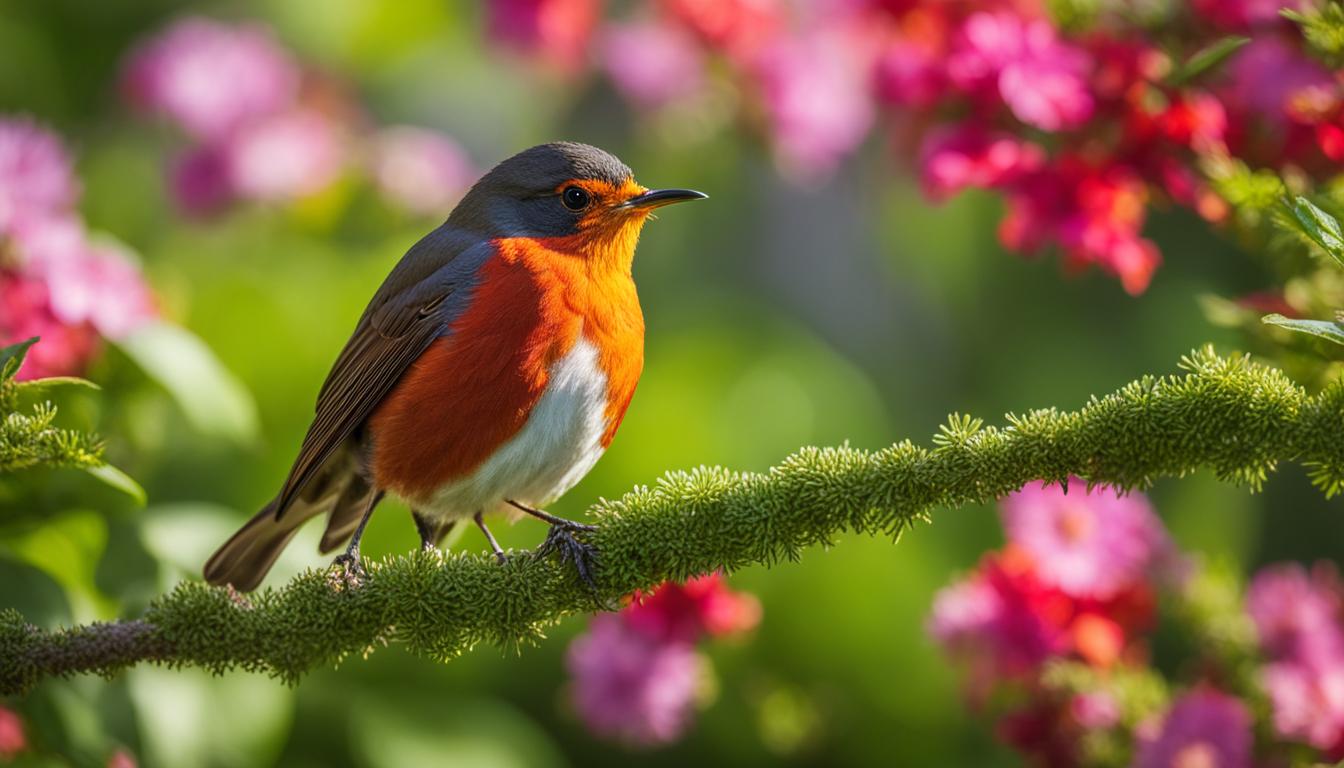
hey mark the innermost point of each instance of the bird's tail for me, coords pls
(246, 558)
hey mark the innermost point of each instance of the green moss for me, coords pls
(1231, 415)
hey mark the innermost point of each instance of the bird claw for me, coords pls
(560, 540)
(347, 570)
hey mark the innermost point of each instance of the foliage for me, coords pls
(31, 438)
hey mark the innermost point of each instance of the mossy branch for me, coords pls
(1230, 415)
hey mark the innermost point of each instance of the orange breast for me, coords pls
(473, 389)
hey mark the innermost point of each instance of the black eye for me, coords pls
(575, 198)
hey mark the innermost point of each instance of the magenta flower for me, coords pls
(556, 30)
(1242, 15)
(1042, 79)
(1001, 621)
(1203, 728)
(210, 77)
(420, 171)
(703, 605)
(1308, 700)
(652, 64)
(1089, 543)
(36, 176)
(288, 156)
(1298, 615)
(817, 99)
(964, 156)
(1298, 618)
(200, 182)
(911, 72)
(632, 687)
(65, 349)
(1264, 76)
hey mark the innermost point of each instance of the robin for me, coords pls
(489, 372)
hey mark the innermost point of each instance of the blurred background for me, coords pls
(790, 309)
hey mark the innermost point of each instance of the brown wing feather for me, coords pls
(414, 306)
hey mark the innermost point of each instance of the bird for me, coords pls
(488, 373)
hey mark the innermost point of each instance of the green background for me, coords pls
(777, 315)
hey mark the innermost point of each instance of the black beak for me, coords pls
(657, 198)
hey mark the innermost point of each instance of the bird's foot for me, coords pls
(560, 540)
(347, 570)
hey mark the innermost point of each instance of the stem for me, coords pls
(1235, 417)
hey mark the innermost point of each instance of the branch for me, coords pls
(1230, 415)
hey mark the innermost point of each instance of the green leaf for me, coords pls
(119, 480)
(1207, 59)
(51, 382)
(1325, 329)
(11, 357)
(1321, 227)
(213, 400)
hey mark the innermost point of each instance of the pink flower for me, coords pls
(738, 28)
(1096, 710)
(1094, 214)
(1242, 15)
(1204, 728)
(1264, 77)
(210, 77)
(1308, 701)
(685, 612)
(36, 175)
(1001, 621)
(64, 349)
(817, 97)
(911, 68)
(630, 686)
(85, 282)
(1298, 615)
(965, 156)
(287, 156)
(420, 171)
(1091, 544)
(652, 64)
(200, 182)
(122, 759)
(1298, 618)
(104, 288)
(1040, 78)
(13, 740)
(556, 30)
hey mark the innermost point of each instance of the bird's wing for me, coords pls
(427, 289)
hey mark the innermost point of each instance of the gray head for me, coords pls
(552, 190)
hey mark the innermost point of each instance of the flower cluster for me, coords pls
(636, 674)
(1299, 618)
(263, 128)
(1054, 633)
(56, 280)
(1077, 581)
(1080, 127)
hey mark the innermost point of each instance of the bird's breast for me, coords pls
(519, 399)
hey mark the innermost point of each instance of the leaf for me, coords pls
(1207, 58)
(213, 400)
(1321, 227)
(11, 357)
(1325, 329)
(119, 480)
(55, 381)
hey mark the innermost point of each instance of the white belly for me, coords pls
(560, 442)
